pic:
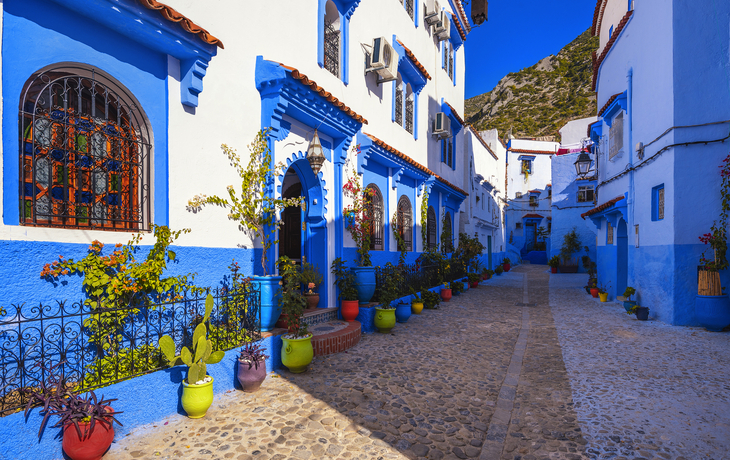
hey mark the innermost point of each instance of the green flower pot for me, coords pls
(384, 319)
(297, 354)
(196, 399)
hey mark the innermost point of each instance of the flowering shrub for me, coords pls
(358, 216)
(717, 237)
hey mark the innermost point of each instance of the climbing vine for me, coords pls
(424, 218)
(717, 238)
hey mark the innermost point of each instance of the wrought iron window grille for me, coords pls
(399, 104)
(409, 114)
(405, 222)
(410, 9)
(431, 228)
(331, 48)
(375, 209)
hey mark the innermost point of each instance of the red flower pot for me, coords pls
(445, 295)
(553, 269)
(474, 284)
(506, 267)
(92, 444)
(349, 310)
(484, 277)
(594, 292)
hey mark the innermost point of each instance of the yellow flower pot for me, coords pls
(603, 296)
(297, 354)
(384, 319)
(417, 308)
(196, 399)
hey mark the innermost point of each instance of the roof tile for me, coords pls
(605, 106)
(603, 206)
(172, 15)
(536, 152)
(415, 61)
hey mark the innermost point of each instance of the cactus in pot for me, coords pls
(198, 388)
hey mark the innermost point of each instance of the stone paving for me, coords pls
(509, 371)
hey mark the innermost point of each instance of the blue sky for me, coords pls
(518, 34)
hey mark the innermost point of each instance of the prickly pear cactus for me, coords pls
(202, 353)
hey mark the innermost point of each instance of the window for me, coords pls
(518, 194)
(404, 223)
(399, 101)
(526, 167)
(550, 192)
(410, 8)
(518, 224)
(550, 226)
(483, 200)
(616, 135)
(375, 208)
(85, 152)
(333, 38)
(534, 199)
(657, 202)
(585, 193)
(609, 233)
(447, 152)
(448, 58)
(610, 32)
(447, 244)
(431, 228)
(409, 109)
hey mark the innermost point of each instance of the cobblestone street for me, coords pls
(526, 367)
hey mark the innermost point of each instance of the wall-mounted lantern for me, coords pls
(583, 164)
(315, 155)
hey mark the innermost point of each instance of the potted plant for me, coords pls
(553, 263)
(431, 300)
(385, 313)
(571, 245)
(603, 293)
(256, 211)
(87, 421)
(498, 270)
(446, 292)
(485, 274)
(311, 278)
(506, 264)
(474, 279)
(593, 287)
(197, 394)
(712, 307)
(642, 313)
(628, 303)
(345, 282)
(416, 302)
(358, 221)
(457, 287)
(297, 351)
(490, 273)
(251, 366)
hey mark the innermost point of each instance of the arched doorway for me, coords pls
(622, 257)
(290, 234)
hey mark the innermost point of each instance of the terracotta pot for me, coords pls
(92, 444)
(349, 310)
(445, 295)
(594, 292)
(553, 269)
(250, 376)
(312, 300)
(475, 284)
(506, 267)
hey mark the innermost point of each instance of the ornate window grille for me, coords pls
(616, 136)
(409, 8)
(431, 228)
(375, 209)
(609, 233)
(448, 244)
(399, 104)
(451, 63)
(405, 222)
(409, 114)
(660, 206)
(331, 48)
(84, 152)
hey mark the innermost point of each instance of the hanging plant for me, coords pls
(358, 216)
(717, 238)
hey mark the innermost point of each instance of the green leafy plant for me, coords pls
(310, 276)
(344, 280)
(114, 282)
(292, 300)
(416, 297)
(628, 293)
(400, 241)
(201, 354)
(571, 245)
(447, 245)
(506, 261)
(554, 261)
(634, 309)
(424, 218)
(602, 289)
(431, 300)
(457, 287)
(498, 269)
(474, 277)
(717, 238)
(390, 289)
(255, 206)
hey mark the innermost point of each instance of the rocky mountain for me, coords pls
(537, 101)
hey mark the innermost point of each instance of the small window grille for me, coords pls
(609, 233)
(450, 150)
(660, 208)
(616, 136)
(657, 202)
(518, 194)
(585, 193)
(375, 209)
(526, 167)
(410, 9)
(331, 48)
(405, 222)
(451, 63)
(533, 200)
(518, 224)
(399, 104)
(409, 114)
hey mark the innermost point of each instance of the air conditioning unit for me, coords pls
(383, 60)
(442, 126)
(432, 12)
(442, 29)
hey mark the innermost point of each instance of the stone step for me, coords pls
(335, 336)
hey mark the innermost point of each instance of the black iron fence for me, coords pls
(103, 346)
(411, 276)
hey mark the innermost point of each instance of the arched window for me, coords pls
(431, 228)
(409, 109)
(84, 150)
(399, 99)
(332, 39)
(446, 234)
(375, 208)
(405, 222)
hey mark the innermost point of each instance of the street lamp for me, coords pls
(315, 156)
(583, 164)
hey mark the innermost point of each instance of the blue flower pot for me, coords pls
(270, 308)
(402, 312)
(712, 311)
(365, 278)
(629, 304)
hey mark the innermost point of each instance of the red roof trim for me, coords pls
(598, 60)
(172, 15)
(462, 13)
(456, 114)
(325, 94)
(413, 162)
(598, 16)
(535, 191)
(415, 61)
(536, 152)
(605, 106)
(528, 216)
(460, 30)
(479, 137)
(603, 206)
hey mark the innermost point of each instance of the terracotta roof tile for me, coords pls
(605, 106)
(602, 207)
(536, 152)
(415, 61)
(325, 94)
(172, 15)
(598, 60)
(479, 137)
(598, 15)
(462, 13)
(535, 191)
(414, 163)
(528, 216)
(462, 34)
(456, 114)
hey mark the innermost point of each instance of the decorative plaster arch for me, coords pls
(314, 188)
